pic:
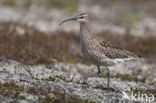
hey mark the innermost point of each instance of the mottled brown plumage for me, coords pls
(114, 51)
(98, 50)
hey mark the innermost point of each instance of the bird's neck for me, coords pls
(85, 30)
(85, 35)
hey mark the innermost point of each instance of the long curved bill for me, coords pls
(71, 19)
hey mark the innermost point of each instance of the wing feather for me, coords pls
(114, 51)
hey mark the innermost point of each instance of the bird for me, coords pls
(99, 51)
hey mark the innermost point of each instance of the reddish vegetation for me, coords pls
(34, 47)
(144, 46)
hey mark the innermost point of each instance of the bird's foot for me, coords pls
(84, 82)
(105, 88)
(85, 85)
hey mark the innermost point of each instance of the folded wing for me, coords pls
(113, 51)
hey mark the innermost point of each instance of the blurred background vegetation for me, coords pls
(29, 31)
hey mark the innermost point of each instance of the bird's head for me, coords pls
(81, 18)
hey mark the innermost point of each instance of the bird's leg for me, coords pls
(108, 78)
(90, 75)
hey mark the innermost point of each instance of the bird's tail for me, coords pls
(120, 60)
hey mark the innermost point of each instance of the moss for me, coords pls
(31, 90)
(46, 100)
(52, 78)
(11, 90)
(127, 77)
(56, 101)
(22, 97)
(63, 78)
(123, 77)
(144, 91)
(101, 86)
(59, 97)
(14, 91)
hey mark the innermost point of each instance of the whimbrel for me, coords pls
(98, 50)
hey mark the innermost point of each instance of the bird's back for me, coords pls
(113, 51)
(100, 51)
